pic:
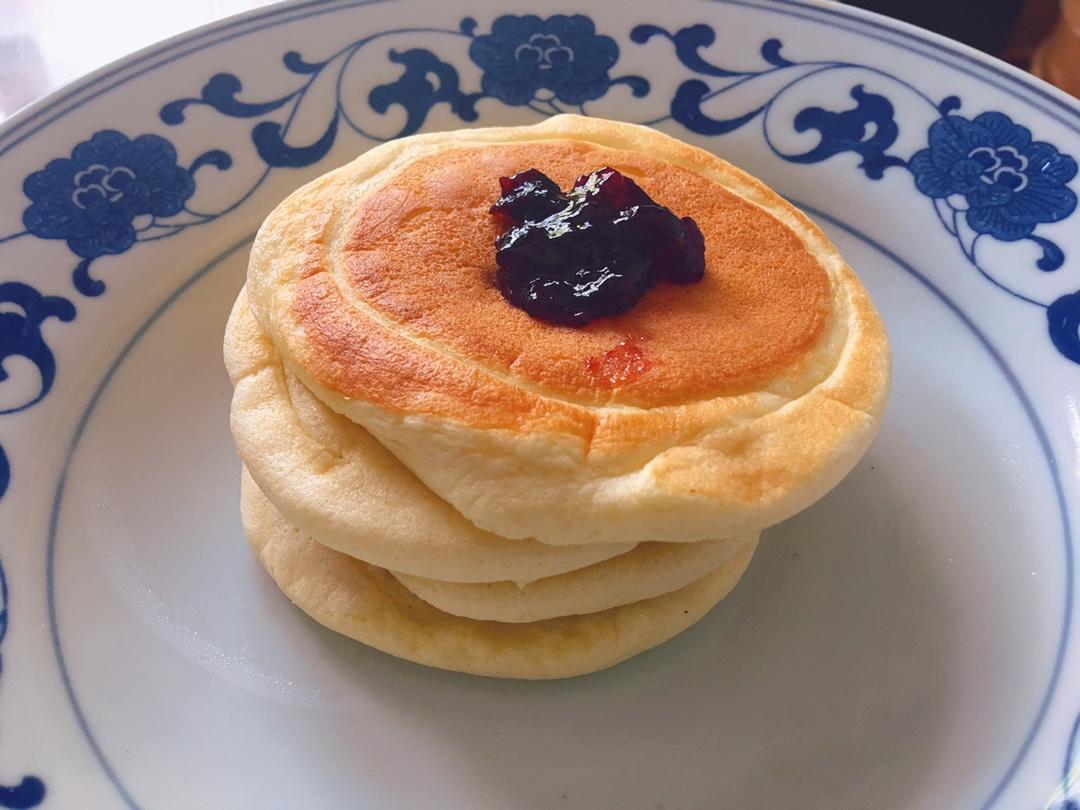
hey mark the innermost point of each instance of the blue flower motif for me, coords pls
(20, 333)
(91, 199)
(565, 55)
(1010, 183)
(1063, 319)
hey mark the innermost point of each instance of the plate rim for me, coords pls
(833, 8)
(25, 123)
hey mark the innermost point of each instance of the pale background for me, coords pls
(47, 43)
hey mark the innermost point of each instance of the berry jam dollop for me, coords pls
(569, 258)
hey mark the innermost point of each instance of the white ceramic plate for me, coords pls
(909, 641)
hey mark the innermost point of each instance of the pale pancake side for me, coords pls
(367, 604)
(332, 479)
(649, 570)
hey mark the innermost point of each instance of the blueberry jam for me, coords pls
(593, 251)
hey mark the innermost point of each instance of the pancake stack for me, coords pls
(433, 472)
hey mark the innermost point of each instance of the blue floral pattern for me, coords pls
(109, 190)
(92, 199)
(564, 55)
(30, 791)
(1064, 318)
(984, 174)
(1008, 183)
(20, 335)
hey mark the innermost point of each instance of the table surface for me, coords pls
(47, 43)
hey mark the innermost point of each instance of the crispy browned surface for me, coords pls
(420, 250)
(517, 442)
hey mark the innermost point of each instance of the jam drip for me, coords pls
(593, 251)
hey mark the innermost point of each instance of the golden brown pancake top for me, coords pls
(420, 251)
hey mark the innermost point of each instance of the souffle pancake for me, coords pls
(519, 402)
(746, 397)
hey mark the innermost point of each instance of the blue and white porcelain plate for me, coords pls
(909, 642)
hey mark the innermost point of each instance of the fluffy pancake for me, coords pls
(367, 604)
(329, 477)
(763, 384)
(419, 252)
(649, 570)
